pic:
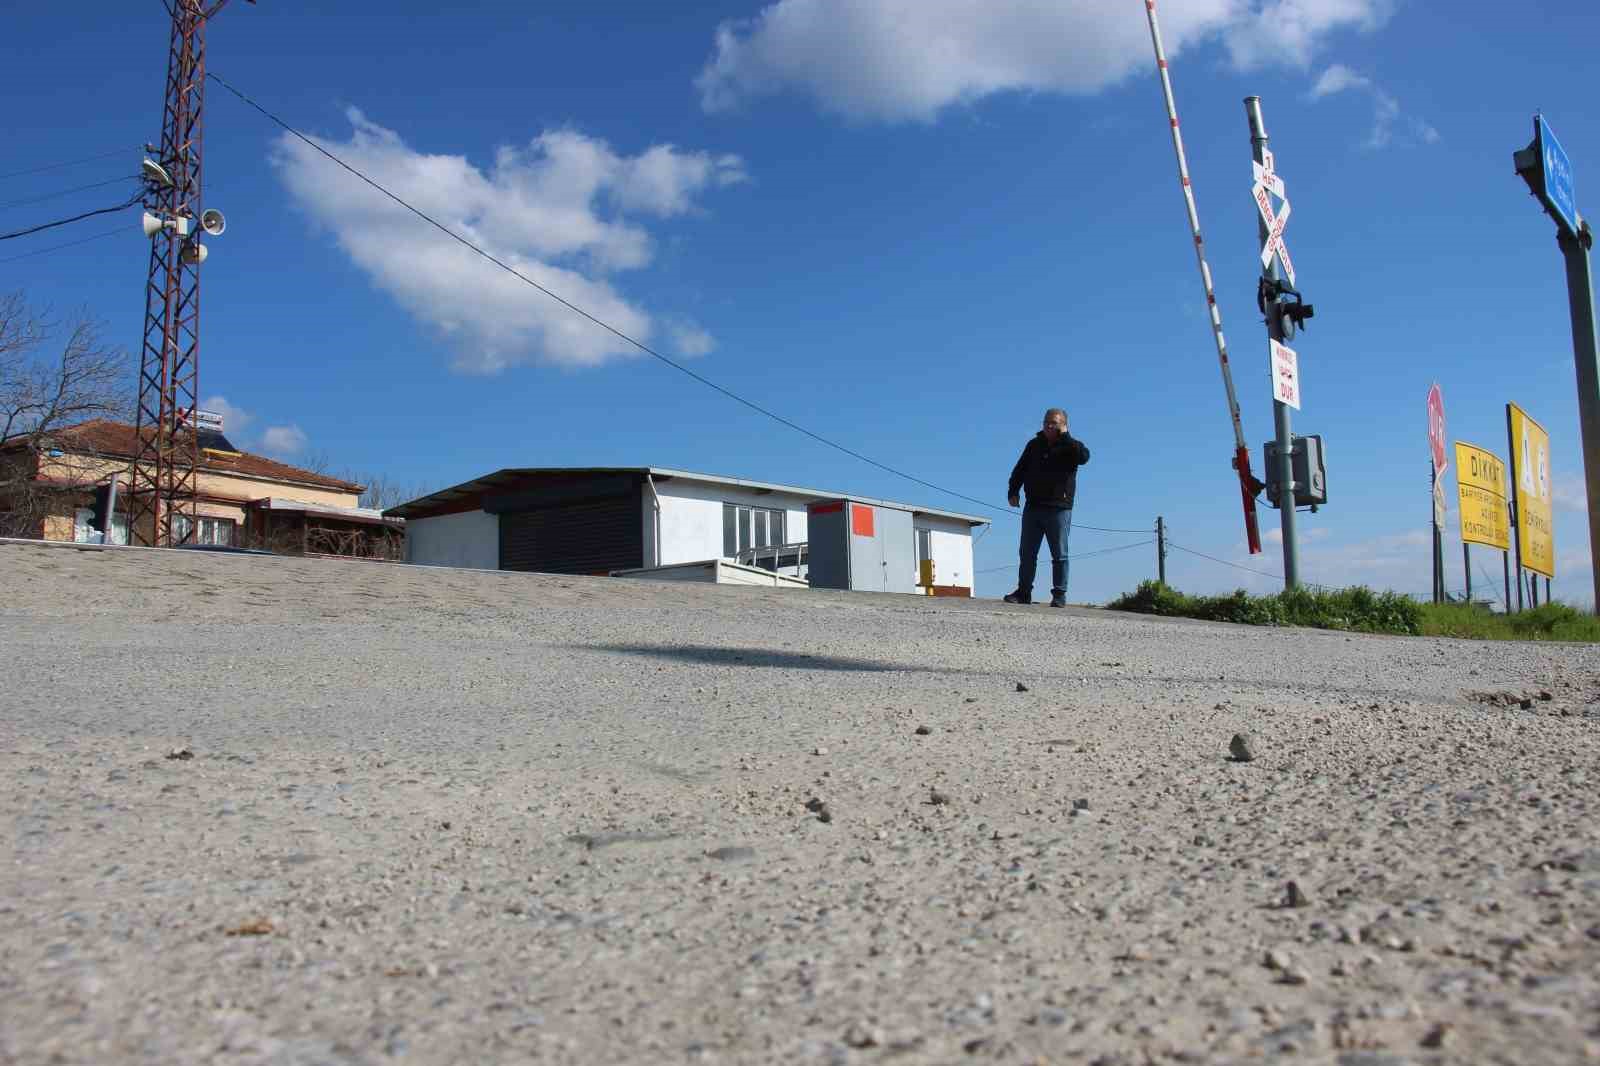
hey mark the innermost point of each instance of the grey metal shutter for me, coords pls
(576, 538)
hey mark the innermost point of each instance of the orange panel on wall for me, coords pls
(861, 520)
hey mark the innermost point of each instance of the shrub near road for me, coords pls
(1364, 611)
(1358, 609)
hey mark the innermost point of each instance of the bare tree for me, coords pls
(317, 462)
(45, 389)
(383, 491)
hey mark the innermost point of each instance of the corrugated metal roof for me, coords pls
(444, 498)
(369, 515)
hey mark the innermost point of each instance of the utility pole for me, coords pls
(1544, 165)
(1161, 550)
(1280, 411)
(161, 490)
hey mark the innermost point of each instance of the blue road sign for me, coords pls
(1557, 170)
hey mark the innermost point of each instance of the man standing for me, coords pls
(1048, 471)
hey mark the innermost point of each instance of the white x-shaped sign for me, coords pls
(1268, 185)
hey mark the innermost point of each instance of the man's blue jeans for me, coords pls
(1052, 525)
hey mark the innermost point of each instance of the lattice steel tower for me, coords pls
(161, 500)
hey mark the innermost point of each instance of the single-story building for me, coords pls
(241, 499)
(599, 520)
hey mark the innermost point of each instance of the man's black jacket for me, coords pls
(1049, 471)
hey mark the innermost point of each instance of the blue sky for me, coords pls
(908, 226)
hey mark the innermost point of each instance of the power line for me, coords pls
(69, 244)
(645, 348)
(75, 218)
(1080, 555)
(71, 162)
(68, 192)
(1259, 573)
(1250, 570)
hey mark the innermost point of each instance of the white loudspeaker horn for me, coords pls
(194, 252)
(212, 222)
(151, 224)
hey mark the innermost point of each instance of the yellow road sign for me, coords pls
(1481, 487)
(1530, 491)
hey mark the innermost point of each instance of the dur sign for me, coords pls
(1481, 488)
(1285, 375)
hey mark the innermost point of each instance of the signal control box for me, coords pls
(1306, 458)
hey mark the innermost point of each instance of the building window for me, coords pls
(924, 545)
(744, 528)
(219, 531)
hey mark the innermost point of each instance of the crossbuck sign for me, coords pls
(1268, 185)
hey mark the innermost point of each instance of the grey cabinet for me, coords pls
(863, 547)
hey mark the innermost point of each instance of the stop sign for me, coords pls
(1436, 425)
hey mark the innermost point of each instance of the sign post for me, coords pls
(1286, 389)
(1436, 469)
(1544, 165)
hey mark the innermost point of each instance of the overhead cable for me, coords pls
(640, 345)
(1080, 555)
(1248, 569)
(129, 202)
(69, 244)
(72, 162)
(68, 192)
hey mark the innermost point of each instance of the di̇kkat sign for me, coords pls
(1530, 492)
(1481, 488)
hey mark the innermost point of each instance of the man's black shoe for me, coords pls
(1018, 597)
(1059, 599)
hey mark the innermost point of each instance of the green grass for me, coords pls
(1548, 621)
(1364, 611)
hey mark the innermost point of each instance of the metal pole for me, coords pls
(1280, 410)
(1505, 564)
(1438, 555)
(111, 511)
(1511, 505)
(1161, 550)
(1466, 564)
(1433, 525)
(1580, 295)
(1248, 486)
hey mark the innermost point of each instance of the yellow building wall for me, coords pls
(217, 490)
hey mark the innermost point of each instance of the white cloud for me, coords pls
(688, 338)
(1336, 79)
(1570, 494)
(1289, 32)
(557, 210)
(285, 442)
(1388, 124)
(1400, 561)
(902, 60)
(1302, 536)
